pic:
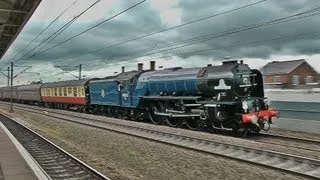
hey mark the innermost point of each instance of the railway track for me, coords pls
(57, 163)
(287, 141)
(303, 166)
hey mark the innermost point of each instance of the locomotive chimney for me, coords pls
(140, 66)
(209, 65)
(241, 61)
(152, 65)
(229, 62)
(122, 69)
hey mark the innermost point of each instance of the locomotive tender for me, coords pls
(228, 97)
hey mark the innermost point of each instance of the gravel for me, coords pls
(278, 145)
(124, 157)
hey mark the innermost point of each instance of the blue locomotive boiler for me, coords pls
(229, 97)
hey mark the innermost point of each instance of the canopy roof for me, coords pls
(14, 14)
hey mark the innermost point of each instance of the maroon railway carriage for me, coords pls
(6, 93)
(29, 94)
(65, 94)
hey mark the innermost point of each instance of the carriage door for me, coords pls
(125, 94)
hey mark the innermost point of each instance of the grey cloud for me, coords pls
(144, 19)
(265, 11)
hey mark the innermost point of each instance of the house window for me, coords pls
(277, 79)
(295, 80)
(309, 79)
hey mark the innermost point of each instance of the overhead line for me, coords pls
(89, 28)
(241, 44)
(46, 39)
(211, 36)
(171, 28)
(69, 24)
(235, 44)
(47, 27)
(199, 39)
(61, 29)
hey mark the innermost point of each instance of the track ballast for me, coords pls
(57, 163)
(303, 166)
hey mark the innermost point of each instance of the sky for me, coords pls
(208, 32)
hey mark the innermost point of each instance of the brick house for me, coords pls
(290, 74)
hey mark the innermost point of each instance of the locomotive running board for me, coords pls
(172, 97)
(176, 115)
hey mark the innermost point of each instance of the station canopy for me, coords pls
(14, 14)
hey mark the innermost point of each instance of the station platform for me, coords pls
(15, 161)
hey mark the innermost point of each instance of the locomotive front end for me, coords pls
(234, 97)
(256, 113)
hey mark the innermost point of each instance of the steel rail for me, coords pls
(261, 134)
(255, 137)
(56, 162)
(299, 165)
(294, 138)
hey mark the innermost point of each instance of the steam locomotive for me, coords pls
(225, 97)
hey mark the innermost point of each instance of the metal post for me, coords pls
(8, 77)
(80, 69)
(11, 77)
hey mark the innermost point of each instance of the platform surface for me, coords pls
(12, 165)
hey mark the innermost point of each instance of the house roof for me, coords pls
(13, 16)
(281, 67)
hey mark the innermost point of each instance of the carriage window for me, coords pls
(69, 91)
(75, 91)
(65, 91)
(79, 91)
(57, 92)
(82, 91)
